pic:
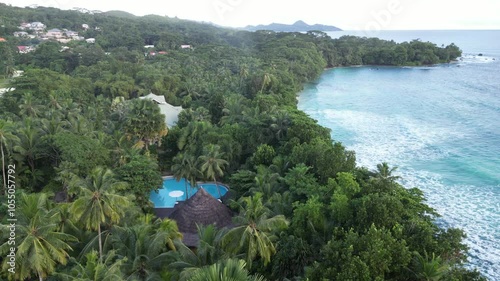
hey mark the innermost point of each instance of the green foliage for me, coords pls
(226, 270)
(91, 269)
(77, 109)
(145, 247)
(40, 246)
(292, 255)
(254, 234)
(264, 155)
(351, 50)
(84, 152)
(375, 255)
(145, 122)
(97, 201)
(429, 268)
(142, 175)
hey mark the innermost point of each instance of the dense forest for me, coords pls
(303, 209)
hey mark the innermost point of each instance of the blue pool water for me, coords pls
(174, 191)
(440, 125)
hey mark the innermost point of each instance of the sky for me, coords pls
(367, 15)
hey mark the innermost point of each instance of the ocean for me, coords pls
(440, 125)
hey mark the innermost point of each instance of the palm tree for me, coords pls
(79, 125)
(191, 136)
(225, 270)
(98, 203)
(194, 172)
(430, 268)
(234, 106)
(280, 124)
(181, 169)
(28, 107)
(92, 269)
(30, 141)
(41, 245)
(243, 74)
(254, 235)
(208, 251)
(266, 80)
(212, 164)
(145, 122)
(146, 247)
(6, 137)
(384, 172)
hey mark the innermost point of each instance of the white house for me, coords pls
(171, 112)
(54, 33)
(186, 47)
(90, 40)
(85, 26)
(37, 26)
(21, 34)
(24, 26)
(70, 33)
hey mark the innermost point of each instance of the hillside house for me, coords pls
(37, 26)
(70, 33)
(54, 33)
(21, 34)
(25, 49)
(171, 112)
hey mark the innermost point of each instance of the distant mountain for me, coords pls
(120, 14)
(296, 27)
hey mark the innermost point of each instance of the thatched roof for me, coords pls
(203, 209)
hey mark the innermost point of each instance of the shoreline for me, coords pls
(475, 259)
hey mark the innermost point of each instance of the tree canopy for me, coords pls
(88, 152)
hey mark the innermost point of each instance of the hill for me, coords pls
(120, 14)
(296, 27)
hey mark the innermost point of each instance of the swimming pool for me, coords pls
(174, 191)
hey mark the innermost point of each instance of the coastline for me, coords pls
(436, 198)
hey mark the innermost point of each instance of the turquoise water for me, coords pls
(440, 125)
(174, 191)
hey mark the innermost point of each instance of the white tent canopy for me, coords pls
(171, 112)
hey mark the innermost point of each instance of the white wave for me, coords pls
(471, 208)
(476, 58)
(402, 141)
(398, 139)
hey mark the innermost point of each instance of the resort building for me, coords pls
(201, 209)
(171, 112)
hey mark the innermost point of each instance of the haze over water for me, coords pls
(440, 125)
